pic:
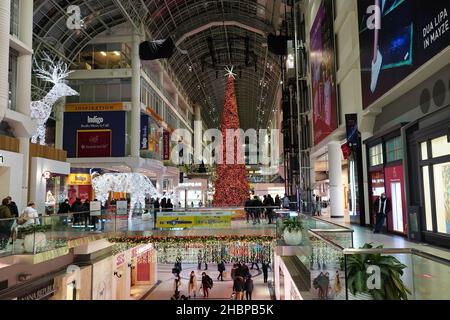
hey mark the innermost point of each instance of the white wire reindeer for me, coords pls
(54, 72)
(135, 184)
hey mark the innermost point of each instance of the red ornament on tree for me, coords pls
(232, 188)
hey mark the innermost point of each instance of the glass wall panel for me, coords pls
(427, 198)
(442, 196)
(440, 147)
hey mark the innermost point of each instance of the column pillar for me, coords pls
(365, 165)
(23, 99)
(135, 98)
(5, 8)
(198, 135)
(335, 176)
(176, 97)
(59, 114)
(159, 184)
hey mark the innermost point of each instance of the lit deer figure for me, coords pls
(54, 72)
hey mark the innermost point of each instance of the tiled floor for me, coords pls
(364, 235)
(221, 289)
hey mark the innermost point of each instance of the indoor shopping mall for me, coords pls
(224, 150)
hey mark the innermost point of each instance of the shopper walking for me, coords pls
(277, 201)
(13, 207)
(5, 225)
(269, 211)
(64, 207)
(286, 201)
(382, 207)
(265, 269)
(221, 269)
(257, 209)
(248, 209)
(238, 287)
(177, 285)
(156, 209)
(207, 284)
(77, 209)
(248, 286)
(192, 286)
(318, 206)
(199, 260)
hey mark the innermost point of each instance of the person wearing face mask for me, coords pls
(382, 207)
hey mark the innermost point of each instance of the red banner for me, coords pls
(94, 143)
(166, 145)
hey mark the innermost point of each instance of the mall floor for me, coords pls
(221, 290)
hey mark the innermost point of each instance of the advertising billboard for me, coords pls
(323, 73)
(144, 132)
(396, 37)
(91, 134)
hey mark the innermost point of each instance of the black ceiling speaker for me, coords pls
(158, 49)
(277, 44)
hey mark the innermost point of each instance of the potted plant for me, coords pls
(292, 231)
(391, 270)
(33, 235)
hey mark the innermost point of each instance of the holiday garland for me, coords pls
(210, 249)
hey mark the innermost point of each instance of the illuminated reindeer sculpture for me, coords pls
(54, 72)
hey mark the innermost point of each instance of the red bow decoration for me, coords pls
(346, 151)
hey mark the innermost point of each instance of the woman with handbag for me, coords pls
(192, 285)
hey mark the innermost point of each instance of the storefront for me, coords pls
(74, 285)
(143, 269)
(385, 172)
(79, 186)
(193, 193)
(48, 183)
(428, 181)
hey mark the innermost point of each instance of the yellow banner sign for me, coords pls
(79, 179)
(89, 107)
(193, 221)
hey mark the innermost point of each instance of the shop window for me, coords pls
(424, 150)
(440, 147)
(427, 198)
(442, 196)
(12, 78)
(394, 149)
(376, 155)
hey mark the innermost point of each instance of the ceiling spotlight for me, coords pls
(103, 53)
(117, 53)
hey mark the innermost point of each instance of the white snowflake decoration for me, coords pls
(54, 72)
(135, 184)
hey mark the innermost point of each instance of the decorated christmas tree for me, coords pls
(232, 188)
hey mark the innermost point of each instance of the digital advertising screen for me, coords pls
(323, 73)
(396, 38)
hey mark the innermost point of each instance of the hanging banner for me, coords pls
(166, 145)
(406, 35)
(144, 132)
(323, 71)
(351, 124)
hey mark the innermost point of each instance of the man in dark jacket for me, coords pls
(77, 208)
(238, 287)
(257, 204)
(382, 207)
(248, 209)
(265, 269)
(269, 203)
(248, 288)
(13, 207)
(64, 207)
(221, 269)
